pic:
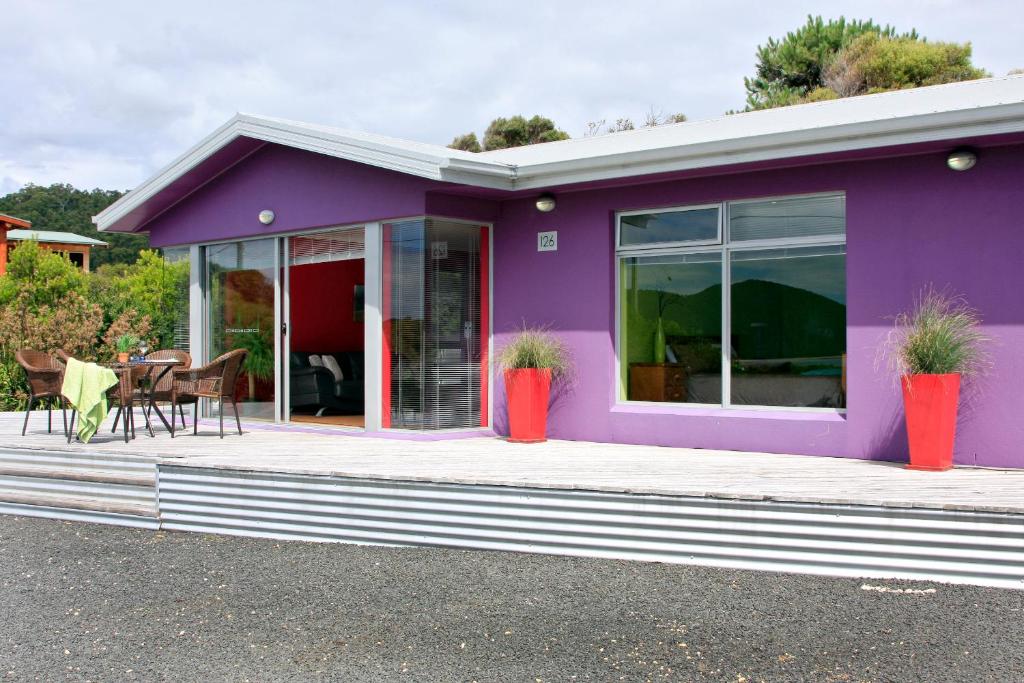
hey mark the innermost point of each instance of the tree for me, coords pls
(791, 68)
(38, 277)
(467, 143)
(872, 63)
(64, 208)
(517, 131)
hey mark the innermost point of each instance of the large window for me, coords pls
(773, 335)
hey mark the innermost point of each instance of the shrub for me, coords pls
(42, 277)
(534, 348)
(13, 390)
(941, 335)
(72, 324)
(129, 324)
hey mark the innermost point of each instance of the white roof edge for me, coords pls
(945, 112)
(784, 145)
(412, 158)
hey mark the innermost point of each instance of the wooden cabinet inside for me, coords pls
(657, 382)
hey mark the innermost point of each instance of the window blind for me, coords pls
(434, 320)
(336, 245)
(787, 218)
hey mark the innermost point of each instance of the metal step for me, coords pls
(71, 502)
(101, 487)
(93, 475)
(76, 459)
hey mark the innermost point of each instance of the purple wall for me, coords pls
(910, 222)
(305, 191)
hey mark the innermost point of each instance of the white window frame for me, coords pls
(661, 246)
(724, 247)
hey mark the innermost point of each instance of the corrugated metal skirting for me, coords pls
(959, 547)
(89, 487)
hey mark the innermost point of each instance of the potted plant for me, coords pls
(124, 344)
(932, 349)
(530, 362)
(259, 362)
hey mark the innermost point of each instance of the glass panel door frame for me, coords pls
(201, 289)
(285, 328)
(282, 338)
(381, 262)
(200, 334)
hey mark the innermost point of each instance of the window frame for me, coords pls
(661, 246)
(726, 248)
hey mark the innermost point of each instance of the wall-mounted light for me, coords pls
(962, 159)
(266, 216)
(546, 203)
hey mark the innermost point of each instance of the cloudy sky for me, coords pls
(102, 94)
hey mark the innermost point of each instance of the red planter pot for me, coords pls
(930, 403)
(527, 392)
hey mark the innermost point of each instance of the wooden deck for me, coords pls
(562, 465)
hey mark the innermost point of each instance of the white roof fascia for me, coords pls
(936, 113)
(177, 168)
(392, 154)
(823, 140)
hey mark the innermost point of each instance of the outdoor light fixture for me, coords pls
(266, 216)
(961, 159)
(546, 203)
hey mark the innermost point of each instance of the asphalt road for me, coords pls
(86, 602)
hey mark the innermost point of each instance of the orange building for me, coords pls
(14, 230)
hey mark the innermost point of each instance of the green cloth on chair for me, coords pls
(85, 386)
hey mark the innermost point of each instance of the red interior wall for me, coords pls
(322, 296)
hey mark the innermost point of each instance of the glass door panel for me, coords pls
(435, 325)
(241, 314)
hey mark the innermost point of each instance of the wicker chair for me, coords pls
(161, 393)
(215, 380)
(45, 376)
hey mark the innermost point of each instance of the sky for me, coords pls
(104, 94)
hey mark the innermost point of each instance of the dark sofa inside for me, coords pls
(315, 390)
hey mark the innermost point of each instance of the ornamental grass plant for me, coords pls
(536, 348)
(941, 335)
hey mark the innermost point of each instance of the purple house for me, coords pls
(722, 284)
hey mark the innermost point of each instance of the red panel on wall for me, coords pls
(485, 320)
(322, 306)
(385, 368)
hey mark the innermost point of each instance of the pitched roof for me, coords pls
(13, 221)
(53, 237)
(945, 112)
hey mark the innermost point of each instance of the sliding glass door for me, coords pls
(241, 309)
(296, 304)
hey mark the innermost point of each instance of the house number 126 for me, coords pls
(547, 241)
